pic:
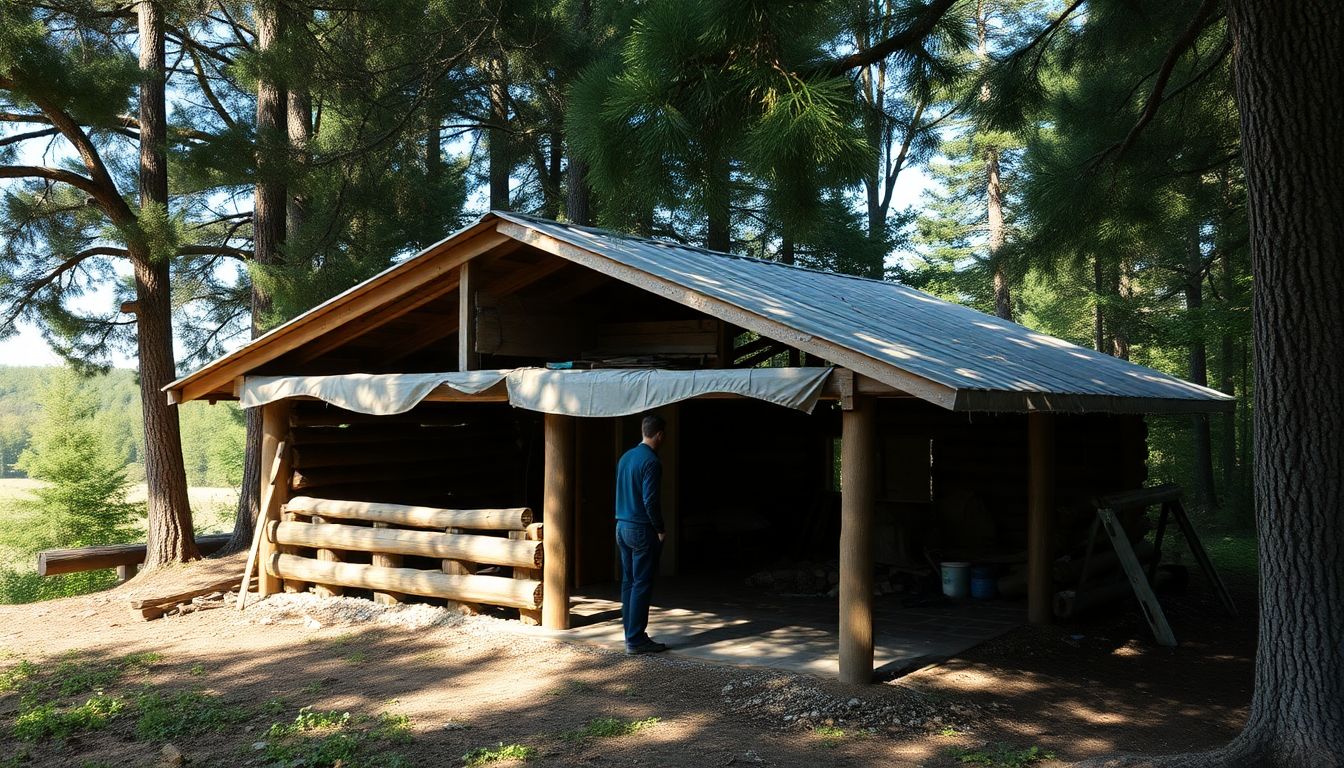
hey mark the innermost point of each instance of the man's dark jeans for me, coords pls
(640, 548)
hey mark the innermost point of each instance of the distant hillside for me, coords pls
(212, 436)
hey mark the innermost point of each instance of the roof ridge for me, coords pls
(701, 249)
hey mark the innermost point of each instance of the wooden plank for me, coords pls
(1152, 610)
(53, 562)
(1040, 516)
(493, 590)
(1143, 497)
(439, 260)
(558, 509)
(219, 585)
(858, 503)
(927, 389)
(467, 357)
(503, 519)
(1201, 556)
(375, 319)
(494, 550)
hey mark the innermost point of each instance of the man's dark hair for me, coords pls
(652, 425)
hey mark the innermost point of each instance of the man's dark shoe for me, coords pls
(642, 648)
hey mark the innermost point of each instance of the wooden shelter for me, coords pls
(412, 425)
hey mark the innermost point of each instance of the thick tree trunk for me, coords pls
(1098, 315)
(1203, 494)
(1288, 57)
(1124, 289)
(498, 146)
(1003, 298)
(170, 538)
(270, 208)
(579, 201)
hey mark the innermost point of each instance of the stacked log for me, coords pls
(360, 544)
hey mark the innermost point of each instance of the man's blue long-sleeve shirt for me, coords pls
(639, 476)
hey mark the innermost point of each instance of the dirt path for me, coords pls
(424, 688)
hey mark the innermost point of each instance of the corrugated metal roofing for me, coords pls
(981, 357)
(933, 349)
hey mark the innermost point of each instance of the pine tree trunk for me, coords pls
(1287, 59)
(170, 538)
(1098, 315)
(1227, 358)
(498, 136)
(1203, 494)
(578, 204)
(270, 209)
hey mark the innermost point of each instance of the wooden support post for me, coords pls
(1040, 516)
(461, 568)
(326, 555)
(858, 501)
(386, 561)
(669, 455)
(467, 357)
(558, 516)
(274, 486)
(533, 533)
(125, 572)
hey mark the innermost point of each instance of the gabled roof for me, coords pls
(936, 350)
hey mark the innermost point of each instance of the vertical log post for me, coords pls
(386, 561)
(274, 489)
(858, 501)
(669, 454)
(461, 568)
(467, 357)
(557, 515)
(534, 532)
(1040, 515)
(330, 556)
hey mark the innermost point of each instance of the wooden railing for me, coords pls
(53, 562)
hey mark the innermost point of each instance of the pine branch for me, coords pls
(20, 305)
(18, 137)
(51, 174)
(910, 37)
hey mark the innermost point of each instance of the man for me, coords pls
(639, 533)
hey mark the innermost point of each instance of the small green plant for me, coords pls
(197, 669)
(74, 677)
(185, 713)
(609, 727)
(274, 707)
(357, 657)
(314, 687)
(318, 739)
(950, 732)
(17, 676)
(40, 722)
(1002, 756)
(487, 755)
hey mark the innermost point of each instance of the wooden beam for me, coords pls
(1040, 516)
(495, 590)
(508, 519)
(558, 516)
(467, 357)
(375, 319)
(440, 260)
(492, 550)
(274, 484)
(53, 562)
(927, 389)
(858, 503)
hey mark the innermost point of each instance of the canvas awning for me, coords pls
(595, 393)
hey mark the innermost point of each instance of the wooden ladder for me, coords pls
(1169, 496)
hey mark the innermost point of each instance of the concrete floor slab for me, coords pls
(719, 622)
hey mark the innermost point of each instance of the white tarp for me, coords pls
(571, 393)
(380, 394)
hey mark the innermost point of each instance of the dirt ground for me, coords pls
(426, 688)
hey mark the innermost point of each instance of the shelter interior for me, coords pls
(750, 485)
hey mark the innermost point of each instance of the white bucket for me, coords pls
(957, 580)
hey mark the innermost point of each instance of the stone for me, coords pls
(170, 757)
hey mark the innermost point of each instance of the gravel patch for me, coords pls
(316, 612)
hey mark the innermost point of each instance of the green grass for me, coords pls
(1002, 756)
(487, 755)
(318, 739)
(609, 727)
(185, 713)
(41, 722)
(1234, 553)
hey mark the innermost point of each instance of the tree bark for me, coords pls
(1125, 293)
(1203, 493)
(270, 209)
(1003, 298)
(1287, 60)
(170, 536)
(1098, 316)
(498, 147)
